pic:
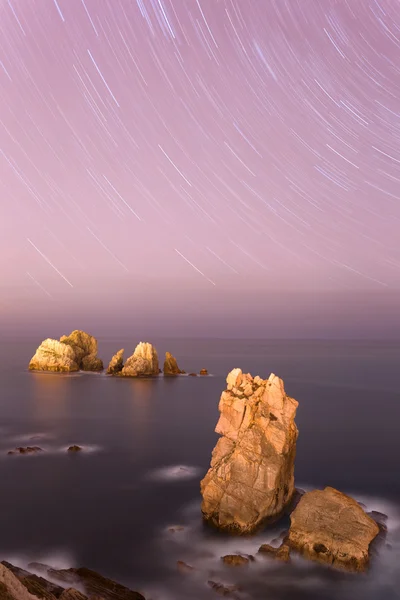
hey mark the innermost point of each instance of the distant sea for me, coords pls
(147, 444)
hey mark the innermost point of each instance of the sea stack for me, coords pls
(77, 351)
(170, 365)
(142, 363)
(329, 527)
(116, 363)
(251, 478)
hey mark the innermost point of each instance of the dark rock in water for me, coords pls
(116, 364)
(203, 372)
(224, 590)
(235, 560)
(27, 450)
(74, 448)
(176, 528)
(192, 374)
(282, 553)
(184, 567)
(170, 365)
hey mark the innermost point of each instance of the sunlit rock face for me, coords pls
(116, 363)
(329, 527)
(142, 363)
(170, 365)
(77, 351)
(53, 355)
(251, 477)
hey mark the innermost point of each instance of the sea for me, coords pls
(128, 505)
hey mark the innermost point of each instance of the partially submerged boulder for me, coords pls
(170, 365)
(26, 450)
(142, 363)
(251, 478)
(235, 560)
(77, 351)
(282, 553)
(329, 527)
(116, 363)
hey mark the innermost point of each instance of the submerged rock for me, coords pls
(53, 355)
(170, 365)
(329, 527)
(251, 478)
(184, 567)
(116, 363)
(27, 450)
(74, 448)
(235, 560)
(72, 353)
(224, 590)
(142, 363)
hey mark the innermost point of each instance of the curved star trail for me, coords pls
(213, 142)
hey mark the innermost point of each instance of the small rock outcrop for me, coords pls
(170, 365)
(77, 351)
(282, 553)
(235, 560)
(55, 356)
(116, 363)
(27, 450)
(329, 527)
(203, 372)
(142, 363)
(74, 449)
(251, 478)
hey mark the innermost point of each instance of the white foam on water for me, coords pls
(173, 473)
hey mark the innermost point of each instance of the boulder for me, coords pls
(224, 590)
(203, 372)
(329, 527)
(85, 348)
(235, 560)
(116, 363)
(72, 353)
(142, 363)
(52, 355)
(282, 553)
(74, 449)
(170, 365)
(251, 478)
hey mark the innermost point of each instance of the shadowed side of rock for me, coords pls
(116, 363)
(251, 478)
(170, 365)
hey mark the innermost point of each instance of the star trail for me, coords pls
(225, 142)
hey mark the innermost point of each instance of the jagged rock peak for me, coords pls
(251, 477)
(170, 365)
(142, 363)
(116, 363)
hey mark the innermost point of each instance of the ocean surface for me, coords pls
(147, 444)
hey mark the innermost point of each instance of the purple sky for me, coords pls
(200, 167)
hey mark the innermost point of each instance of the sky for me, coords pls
(200, 167)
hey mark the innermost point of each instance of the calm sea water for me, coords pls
(110, 508)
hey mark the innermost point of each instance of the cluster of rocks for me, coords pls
(19, 584)
(74, 352)
(78, 352)
(251, 481)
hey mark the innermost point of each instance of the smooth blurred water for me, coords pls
(109, 508)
